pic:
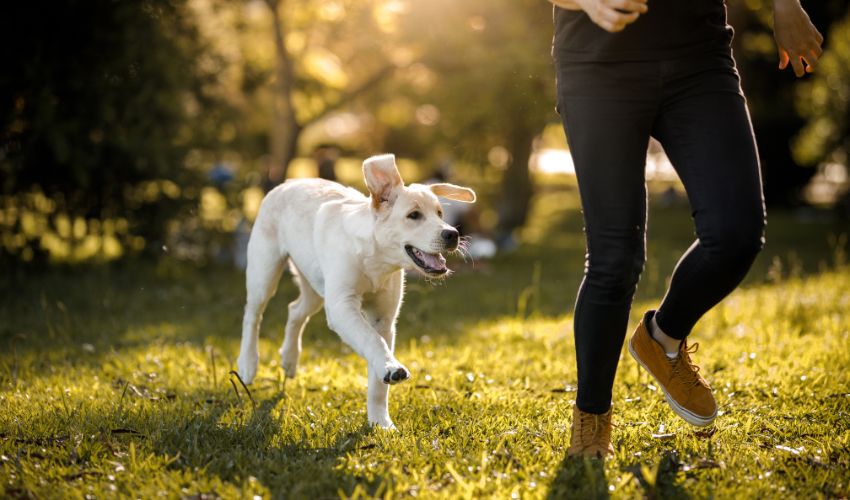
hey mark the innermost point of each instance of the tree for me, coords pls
(96, 110)
(495, 85)
(324, 59)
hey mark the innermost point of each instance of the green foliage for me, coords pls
(336, 57)
(825, 102)
(115, 382)
(773, 96)
(98, 98)
(491, 67)
(492, 82)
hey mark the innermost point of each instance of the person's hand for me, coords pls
(797, 39)
(610, 15)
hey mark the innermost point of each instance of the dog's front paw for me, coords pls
(246, 367)
(383, 423)
(396, 373)
(290, 351)
(290, 369)
(289, 363)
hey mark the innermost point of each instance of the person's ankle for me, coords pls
(668, 343)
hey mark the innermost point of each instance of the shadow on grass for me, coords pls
(660, 482)
(256, 450)
(250, 447)
(288, 468)
(579, 477)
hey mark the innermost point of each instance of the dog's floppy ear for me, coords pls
(382, 179)
(452, 192)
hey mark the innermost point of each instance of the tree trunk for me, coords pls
(517, 190)
(285, 130)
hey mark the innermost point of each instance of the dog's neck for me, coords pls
(377, 268)
(375, 265)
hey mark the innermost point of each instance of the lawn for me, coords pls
(114, 381)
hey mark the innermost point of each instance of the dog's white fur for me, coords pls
(347, 252)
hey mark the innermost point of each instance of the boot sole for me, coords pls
(687, 415)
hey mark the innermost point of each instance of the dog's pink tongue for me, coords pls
(437, 262)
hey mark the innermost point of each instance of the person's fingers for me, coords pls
(797, 64)
(818, 36)
(617, 18)
(629, 5)
(605, 13)
(612, 15)
(811, 61)
(611, 20)
(623, 22)
(813, 57)
(783, 58)
(629, 18)
(609, 26)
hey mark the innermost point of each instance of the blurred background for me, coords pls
(148, 130)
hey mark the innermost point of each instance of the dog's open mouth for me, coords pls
(434, 264)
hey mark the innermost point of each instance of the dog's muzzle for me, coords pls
(433, 264)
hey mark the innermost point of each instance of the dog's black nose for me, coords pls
(450, 237)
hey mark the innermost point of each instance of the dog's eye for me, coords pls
(440, 214)
(414, 215)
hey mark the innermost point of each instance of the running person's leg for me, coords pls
(709, 139)
(704, 127)
(608, 110)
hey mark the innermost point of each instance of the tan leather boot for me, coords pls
(591, 434)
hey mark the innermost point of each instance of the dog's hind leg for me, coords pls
(300, 310)
(265, 265)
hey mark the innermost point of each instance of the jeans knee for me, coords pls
(615, 273)
(736, 240)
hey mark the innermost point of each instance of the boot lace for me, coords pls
(594, 427)
(684, 369)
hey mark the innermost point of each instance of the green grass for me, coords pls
(114, 381)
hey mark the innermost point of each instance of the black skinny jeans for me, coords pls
(696, 109)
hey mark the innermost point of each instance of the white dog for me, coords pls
(347, 253)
